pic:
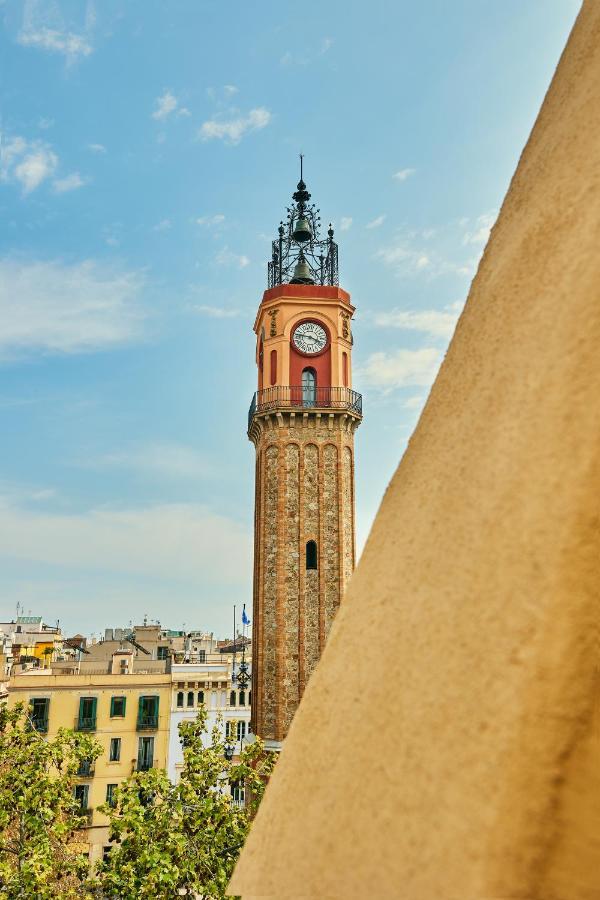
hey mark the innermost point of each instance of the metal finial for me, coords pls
(301, 160)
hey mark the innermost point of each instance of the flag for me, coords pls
(245, 619)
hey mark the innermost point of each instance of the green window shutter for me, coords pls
(117, 706)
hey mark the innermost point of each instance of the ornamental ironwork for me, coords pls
(300, 255)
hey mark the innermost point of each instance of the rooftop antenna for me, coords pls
(301, 161)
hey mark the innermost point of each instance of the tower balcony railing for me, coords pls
(304, 398)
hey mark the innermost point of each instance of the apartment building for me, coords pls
(127, 712)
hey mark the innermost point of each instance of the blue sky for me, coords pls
(149, 149)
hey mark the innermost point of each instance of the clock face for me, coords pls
(310, 337)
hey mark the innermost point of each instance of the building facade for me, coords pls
(128, 714)
(210, 684)
(302, 422)
(131, 697)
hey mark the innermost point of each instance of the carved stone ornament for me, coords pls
(273, 329)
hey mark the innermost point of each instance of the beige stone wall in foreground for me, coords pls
(469, 766)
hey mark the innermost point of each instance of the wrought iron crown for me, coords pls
(300, 255)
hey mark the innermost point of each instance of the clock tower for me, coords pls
(302, 422)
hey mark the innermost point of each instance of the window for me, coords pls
(145, 754)
(200, 697)
(117, 707)
(110, 794)
(147, 712)
(309, 387)
(273, 366)
(345, 369)
(180, 699)
(311, 555)
(228, 730)
(249, 698)
(114, 753)
(85, 768)
(232, 698)
(202, 656)
(87, 714)
(242, 698)
(81, 795)
(190, 698)
(162, 652)
(238, 794)
(39, 713)
(241, 731)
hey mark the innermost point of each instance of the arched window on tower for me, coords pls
(309, 387)
(311, 555)
(242, 698)
(273, 366)
(190, 698)
(345, 369)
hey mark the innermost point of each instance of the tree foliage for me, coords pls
(177, 839)
(39, 817)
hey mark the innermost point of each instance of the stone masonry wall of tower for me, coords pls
(302, 422)
(305, 491)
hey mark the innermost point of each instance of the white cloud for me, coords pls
(403, 174)
(10, 150)
(226, 258)
(376, 222)
(437, 323)
(345, 223)
(29, 163)
(163, 225)
(168, 460)
(172, 541)
(70, 183)
(326, 44)
(165, 105)
(70, 45)
(234, 129)
(408, 259)
(403, 368)
(414, 402)
(215, 312)
(35, 167)
(481, 228)
(210, 221)
(230, 90)
(52, 307)
(97, 148)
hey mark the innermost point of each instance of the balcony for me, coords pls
(85, 723)
(284, 397)
(147, 722)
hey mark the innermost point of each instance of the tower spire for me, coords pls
(299, 243)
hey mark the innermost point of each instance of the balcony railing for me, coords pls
(85, 723)
(305, 398)
(147, 722)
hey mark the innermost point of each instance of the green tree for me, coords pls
(39, 816)
(172, 839)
